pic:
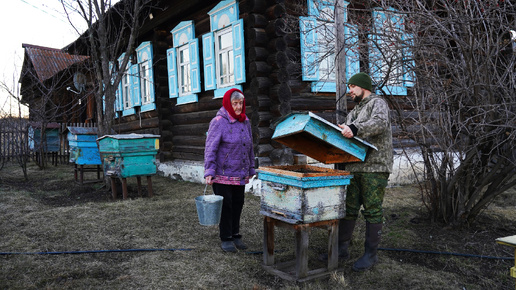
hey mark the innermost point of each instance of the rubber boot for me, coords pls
(370, 257)
(346, 228)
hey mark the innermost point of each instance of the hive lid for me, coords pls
(129, 136)
(83, 130)
(314, 136)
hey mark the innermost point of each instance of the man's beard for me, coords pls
(357, 99)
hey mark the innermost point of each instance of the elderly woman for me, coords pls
(229, 164)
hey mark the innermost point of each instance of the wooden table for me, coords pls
(297, 270)
(510, 241)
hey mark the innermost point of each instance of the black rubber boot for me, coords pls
(370, 257)
(346, 228)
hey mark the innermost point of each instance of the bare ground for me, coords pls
(51, 213)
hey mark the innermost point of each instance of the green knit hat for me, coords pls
(362, 80)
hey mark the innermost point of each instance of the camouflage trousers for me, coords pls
(366, 189)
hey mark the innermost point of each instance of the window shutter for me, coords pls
(238, 51)
(375, 59)
(135, 82)
(120, 97)
(172, 73)
(309, 48)
(194, 66)
(383, 39)
(352, 53)
(208, 52)
(118, 107)
(151, 72)
(408, 59)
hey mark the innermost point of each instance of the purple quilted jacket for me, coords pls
(229, 148)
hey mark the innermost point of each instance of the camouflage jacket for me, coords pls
(371, 118)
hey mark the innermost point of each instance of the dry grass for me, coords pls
(50, 213)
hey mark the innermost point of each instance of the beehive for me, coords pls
(303, 193)
(128, 155)
(83, 146)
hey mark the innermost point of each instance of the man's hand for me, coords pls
(346, 131)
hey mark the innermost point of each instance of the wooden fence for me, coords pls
(15, 140)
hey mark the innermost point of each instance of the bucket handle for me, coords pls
(205, 188)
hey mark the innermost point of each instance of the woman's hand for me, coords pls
(346, 131)
(209, 180)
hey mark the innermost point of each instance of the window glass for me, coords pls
(126, 82)
(184, 70)
(391, 51)
(326, 40)
(224, 45)
(144, 82)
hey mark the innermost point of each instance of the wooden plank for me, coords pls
(193, 117)
(301, 252)
(303, 170)
(268, 241)
(198, 141)
(508, 241)
(333, 246)
(190, 129)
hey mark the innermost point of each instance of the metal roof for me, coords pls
(48, 62)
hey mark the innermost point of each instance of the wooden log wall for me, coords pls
(182, 128)
(273, 87)
(189, 123)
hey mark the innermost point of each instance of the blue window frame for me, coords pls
(136, 89)
(317, 34)
(118, 105)
(318, 38)
(390, 66)
(223, 49)
(184, 79)
(143, 82)
(125, 92)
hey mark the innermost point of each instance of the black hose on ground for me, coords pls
(250, 252)
(91, 252)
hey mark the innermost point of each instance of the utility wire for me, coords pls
(46, 12)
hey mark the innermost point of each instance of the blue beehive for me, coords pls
(303, 193)
(128, 155)
(83, 146)
(52, 141)
(313, 136)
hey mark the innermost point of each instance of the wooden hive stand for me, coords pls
(510, 241)
(124, 187)
(297, 270)
(81, 169)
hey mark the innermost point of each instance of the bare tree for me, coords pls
(112, 29)
(49, 101)
(456, 64)
(465, 67)
(13, 128)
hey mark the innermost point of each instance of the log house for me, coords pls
(274, 85)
